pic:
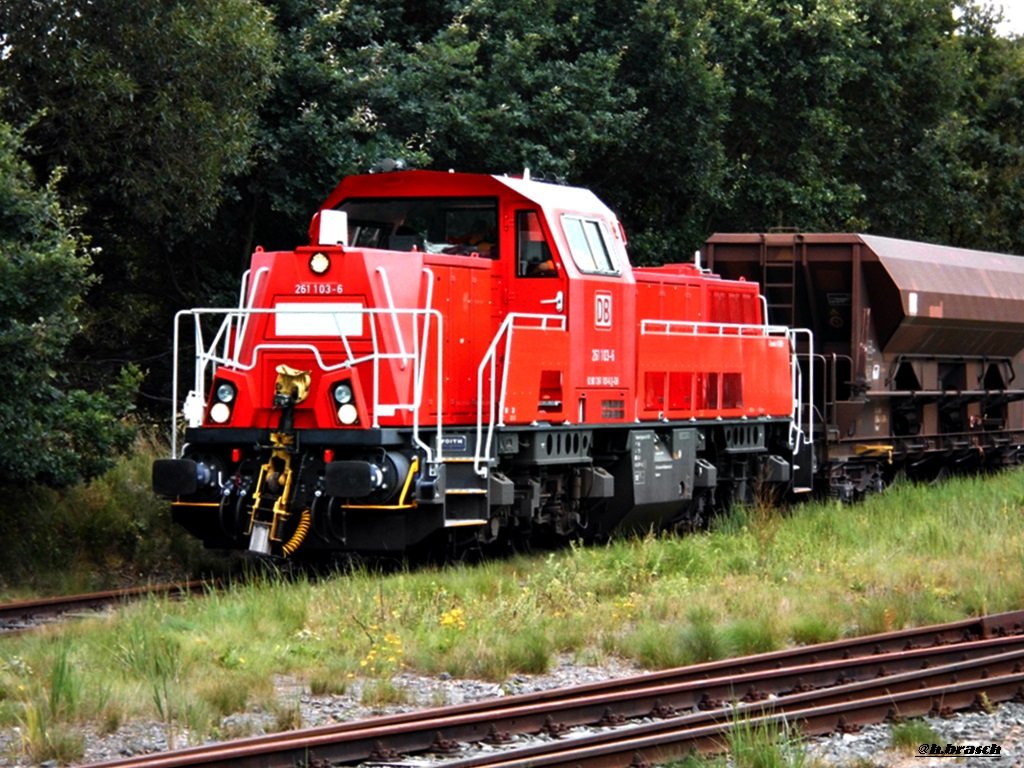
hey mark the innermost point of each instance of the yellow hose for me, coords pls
(300, 533)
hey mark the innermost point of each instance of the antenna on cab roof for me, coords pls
(387, 165)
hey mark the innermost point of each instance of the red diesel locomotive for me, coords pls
(458, 360)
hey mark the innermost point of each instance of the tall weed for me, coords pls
(763, 744)
(758, 634)
(41, 739)
(907, 736)
(45, 714)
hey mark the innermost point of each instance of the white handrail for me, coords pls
(798, 434)
(391, 305)
(243, 324)
(208, 359)
(481, 461)
(649, 326)
(421, 371)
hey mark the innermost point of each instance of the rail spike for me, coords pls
(662, 711)
(445, 746)
(382, 753)
(553, 729)
(610, 719)
(843, 727)
(496, 737)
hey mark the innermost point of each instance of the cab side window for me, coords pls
(533, 254)
(588, 243)
(471, 231)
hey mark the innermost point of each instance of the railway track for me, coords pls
(28, 614)
(653, 718)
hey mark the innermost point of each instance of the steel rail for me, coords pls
(28, 611)
(643, 749)
(844, 707)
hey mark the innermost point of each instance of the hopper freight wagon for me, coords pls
(918, 350)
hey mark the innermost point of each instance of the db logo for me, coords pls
(603, 310)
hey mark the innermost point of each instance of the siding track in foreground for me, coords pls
(653, 718)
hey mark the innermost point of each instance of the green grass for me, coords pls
(754, 744)
(49, 706)
(756, 581)
(108, 533)
(909, 735)
(766, 745)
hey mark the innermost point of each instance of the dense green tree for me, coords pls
(51, 432)
(667, 177)
(150, 106)
(479, 86)
(903, 109)
(895, 118)
(540, 87)
(787, 65)
(991, 213)
(611, 94)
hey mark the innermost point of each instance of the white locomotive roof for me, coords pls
(557, 196)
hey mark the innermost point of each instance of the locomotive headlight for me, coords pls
(220, 413)
(225, 392)
(343, 394)
(319, 263)
(348, 414)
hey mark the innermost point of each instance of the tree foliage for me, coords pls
(51, 433)
(479, 86)
(991, 210)
(688, 116)
(149, 106)
(786, 137)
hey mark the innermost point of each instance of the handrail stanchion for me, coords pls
(488, 364)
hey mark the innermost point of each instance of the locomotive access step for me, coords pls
(468, 497)
(465, 494)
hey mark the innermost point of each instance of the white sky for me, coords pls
(1013, 14)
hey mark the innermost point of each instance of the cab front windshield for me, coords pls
(451, 225)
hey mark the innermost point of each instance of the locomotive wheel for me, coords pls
(230, 516)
